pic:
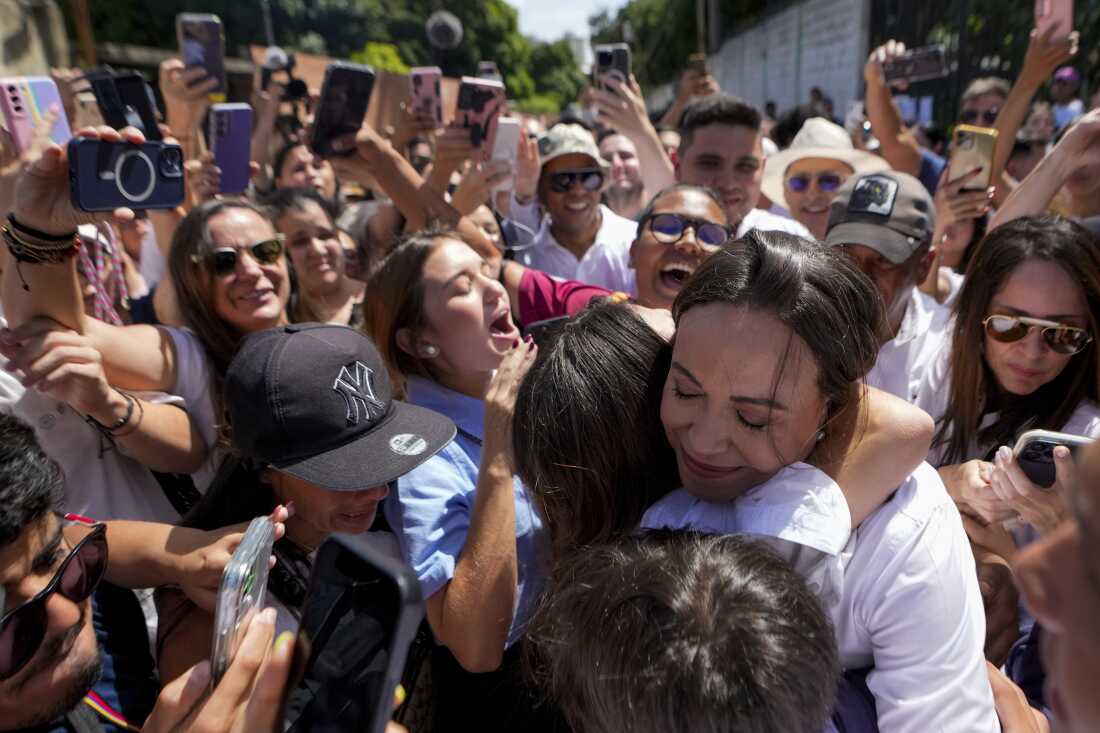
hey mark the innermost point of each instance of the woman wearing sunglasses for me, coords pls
(807, 175)
(1022, 357)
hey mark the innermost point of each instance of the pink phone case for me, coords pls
(480, 103)
(25, 102)
(425, 93)
(1056, 13)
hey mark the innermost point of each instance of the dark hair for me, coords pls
(31, 483)
(284, 200)
(679, 631)
(981, 224)
(647, 212)
(279, 159)
(587, 432)
(812, 288)
(604, 133)
(1046, 238)
(788, 125)
(717, 109)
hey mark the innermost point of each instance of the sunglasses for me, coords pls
(970, 116)
(224, 260)
(591, 180)
(827, 182)
(670, 228)
(23, 629)
(1061, 339)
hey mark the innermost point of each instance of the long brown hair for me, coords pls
(395, 300)
(1047, 238)
(194, 282)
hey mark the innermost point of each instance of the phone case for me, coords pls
(202, 43)
(480, 102)
(920, 64)
(1056, 13)
(126, 100)
(425, 92)
(24, 102)
(506, 147)
(612, 59)
(105, 176)
(241, 594)
(1034, 453)
(345, 94)
(230, 141)
(972, 148)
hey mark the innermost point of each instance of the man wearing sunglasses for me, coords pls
(577, 231)
(884, 222)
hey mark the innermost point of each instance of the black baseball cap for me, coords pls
(891, 213)
(314, 400)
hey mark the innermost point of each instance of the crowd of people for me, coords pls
(702, 421)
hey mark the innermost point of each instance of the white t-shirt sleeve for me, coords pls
(194, 384)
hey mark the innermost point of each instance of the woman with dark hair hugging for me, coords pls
(764, 382)
(1022, 358)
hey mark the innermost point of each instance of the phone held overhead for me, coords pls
(25, 101)
(345, 95)
(230, 135)
(202, 45)
(104, 176)
(972, 150)
(480, 103)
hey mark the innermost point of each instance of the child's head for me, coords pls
(680, 631)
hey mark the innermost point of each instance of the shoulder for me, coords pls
(1085, 420)
(920, 513)
(448, 471)
(672, 511)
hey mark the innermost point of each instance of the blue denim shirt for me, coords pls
(436, 501)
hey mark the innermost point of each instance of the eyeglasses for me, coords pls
(970, 116)
(670, 228)
(562, 181)
(1061, 339)
(23, 629)
(827, 182)
(224, 260)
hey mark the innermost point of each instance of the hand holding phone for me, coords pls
(104, 176)
(919, 64)
(506, 149)
(202, 45)
(230, 141)
(1034, 453)
(973, 149)
(345, 94)
(612, 59)
(1056, 15)
(28, 104)
(480, 102)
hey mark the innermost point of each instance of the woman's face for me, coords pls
(303, 169)
(253, 296)
(738, 408)
(313, 244)
(319, 512)
(811, 206)
(956, 238)
(1039, 289)
(467, 311)
(485, 220)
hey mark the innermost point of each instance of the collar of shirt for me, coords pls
(769, 222)
(608, 232)
(918, 317)
(467, 412)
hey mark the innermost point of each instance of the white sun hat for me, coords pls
(818, 138)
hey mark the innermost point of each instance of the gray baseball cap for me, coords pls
(891, 213)
(569, 139)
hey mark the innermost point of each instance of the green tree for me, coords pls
(382, 56)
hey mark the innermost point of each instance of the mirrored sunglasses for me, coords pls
(827, 182)
(1061, 339)
(591, 180)
(224, 260)
(670, 228)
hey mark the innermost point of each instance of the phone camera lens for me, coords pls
(171, 163)
(11, 88)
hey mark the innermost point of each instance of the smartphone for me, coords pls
(1054, 13)
(506, 147)
(359, 618)
(104, 176)
(480, 102)
(973, 147)
(125, 99)
(24, 103)
(697, 62)
(425, 92)
(612, 59)
(919, 64)
(230, 135)
(202, 44)
(1034, 453)
(241, 594)
(489, 70)
(345, 94)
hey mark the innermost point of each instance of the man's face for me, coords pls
(1059, 577)
(895, 282)
(982, 110)
(576, 209)
(626, 175)
(1063, 91)
(66, 664)
(729, 159)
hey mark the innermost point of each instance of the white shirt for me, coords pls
(766, 221)
(904, 359)
(901, 590)
(605, 263)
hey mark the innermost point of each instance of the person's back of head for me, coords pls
(717, 109)
(30, 481)
(679, 631)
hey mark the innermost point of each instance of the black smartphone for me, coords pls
(358, 621)
(105, 176)
(1034, 453)
(345, 94)
(920, 64)
(125, 99)
(202, 44)
(612, 59)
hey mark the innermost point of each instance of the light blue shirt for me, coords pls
(435, 502)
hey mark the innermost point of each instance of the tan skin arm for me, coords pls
(899, 148)
(880, 439)
(184, 635)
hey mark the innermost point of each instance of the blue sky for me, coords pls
(548, 19)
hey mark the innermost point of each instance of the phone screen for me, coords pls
(344, 99)
(347, 637)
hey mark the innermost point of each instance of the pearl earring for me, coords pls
(430, 351)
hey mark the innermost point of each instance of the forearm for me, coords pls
(141, 556)
(657, 171)
(161, 437)
(1034, 194)
(675, 114)
(1009, 121)
(439, 176)
(898, 148)
(477, 605)
(52, 291)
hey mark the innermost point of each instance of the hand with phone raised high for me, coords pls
(186, 95)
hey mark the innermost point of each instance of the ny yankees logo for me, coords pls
(357, 391)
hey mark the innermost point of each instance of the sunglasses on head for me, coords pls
(591, 180)
(24, 628)
(970, 116)
(1061, 339)
(224, 260)
(670, 228)
(827, 182)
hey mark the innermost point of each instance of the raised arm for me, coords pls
(623, 108)
(899, 148)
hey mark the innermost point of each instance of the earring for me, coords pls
(820, 435)
(430, 351)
